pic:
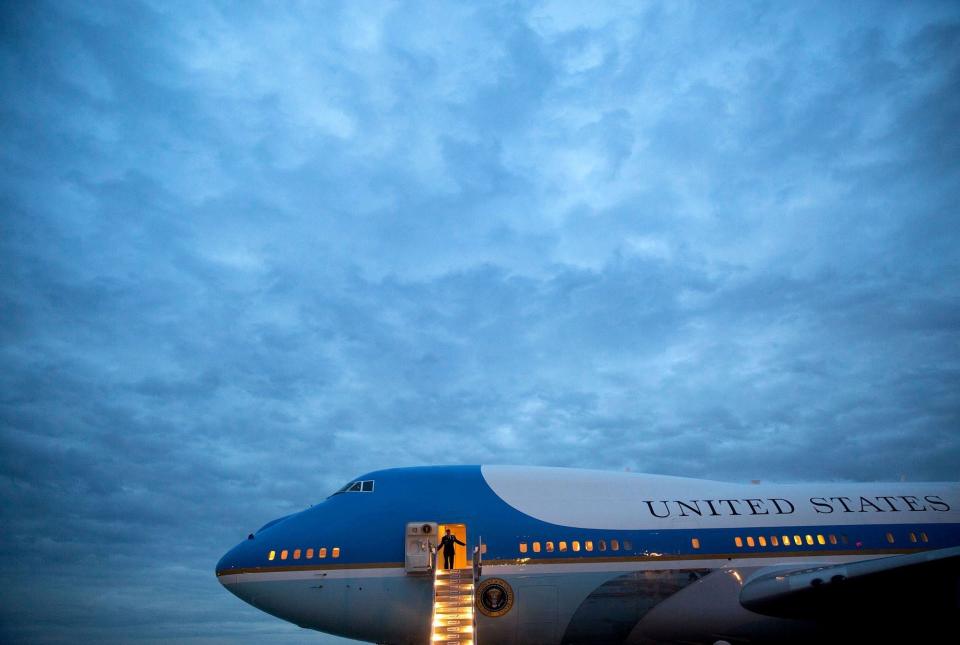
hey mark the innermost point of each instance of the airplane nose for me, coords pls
(229, 561)
(229, 569)
(222, 564)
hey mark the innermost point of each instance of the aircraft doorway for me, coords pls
(459, 531)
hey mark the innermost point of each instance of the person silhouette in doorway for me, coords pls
(449, 550)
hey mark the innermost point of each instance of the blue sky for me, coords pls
(249, 252)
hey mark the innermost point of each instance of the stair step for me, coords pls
(453, 616)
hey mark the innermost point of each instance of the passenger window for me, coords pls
(336, 552)
(323, 552)
(786, 540)
(309, 554)
(810, 540)
(588, 545)
(283, 554)
(923, 537)
(890, 538)
(614, 544)
(536, 547)
(797, 541)
(750, 541)
(296, 554)
(603, 545)
(576, 545)
(762, 541)
(549, 547)
(694, 542)
(523, 547)
(738, 541)
(483, 549)
(913, 536)
(833, 539)
(272, 555)
(563, 546)
(773, 540)
(627, 545)
(820, 539)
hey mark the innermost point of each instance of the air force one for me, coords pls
(566, 556)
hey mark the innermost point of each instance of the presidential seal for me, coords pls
(494, 597)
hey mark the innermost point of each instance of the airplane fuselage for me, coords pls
(579, 556)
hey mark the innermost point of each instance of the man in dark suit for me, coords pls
(449, 550)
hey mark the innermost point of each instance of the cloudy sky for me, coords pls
(251, 251)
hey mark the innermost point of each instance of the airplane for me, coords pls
(568, 556)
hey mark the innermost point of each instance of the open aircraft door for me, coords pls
(420, 542)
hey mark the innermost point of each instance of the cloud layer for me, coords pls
(249, 253)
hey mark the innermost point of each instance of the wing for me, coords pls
(926, 581)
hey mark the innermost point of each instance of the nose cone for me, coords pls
(230, 564)
(224, 564)
(230, 568)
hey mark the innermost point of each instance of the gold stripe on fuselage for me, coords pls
(591, 560)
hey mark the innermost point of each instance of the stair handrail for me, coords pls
(433, 591)
(477, 572)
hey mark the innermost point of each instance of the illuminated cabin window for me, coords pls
(762, 541)
(923, 537)
(588, 545)
(283, 554)
(602, 544)
(913, 536)
(738, 541)
(614, 544)
(627, 545)
(336, 552)
(786, 540)
(562, 545)
(296, 554)
(549, 546)
(322, 553)
(523, 547)
(774, 541)
(809, 539)
(750, 542)
(575, 545)
(536, 547)
(797, 541)
(820, 539)
(890, 538)
(833, 538)
(309, 553)
(694, 542)
(272, 555)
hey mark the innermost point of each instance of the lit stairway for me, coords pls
(453, 607)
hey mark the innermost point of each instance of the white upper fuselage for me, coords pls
(629, 501)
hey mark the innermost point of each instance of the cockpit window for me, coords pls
(365, 486)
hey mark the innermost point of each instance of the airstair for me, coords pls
(453, 616)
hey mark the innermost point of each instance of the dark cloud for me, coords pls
(248, 253)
